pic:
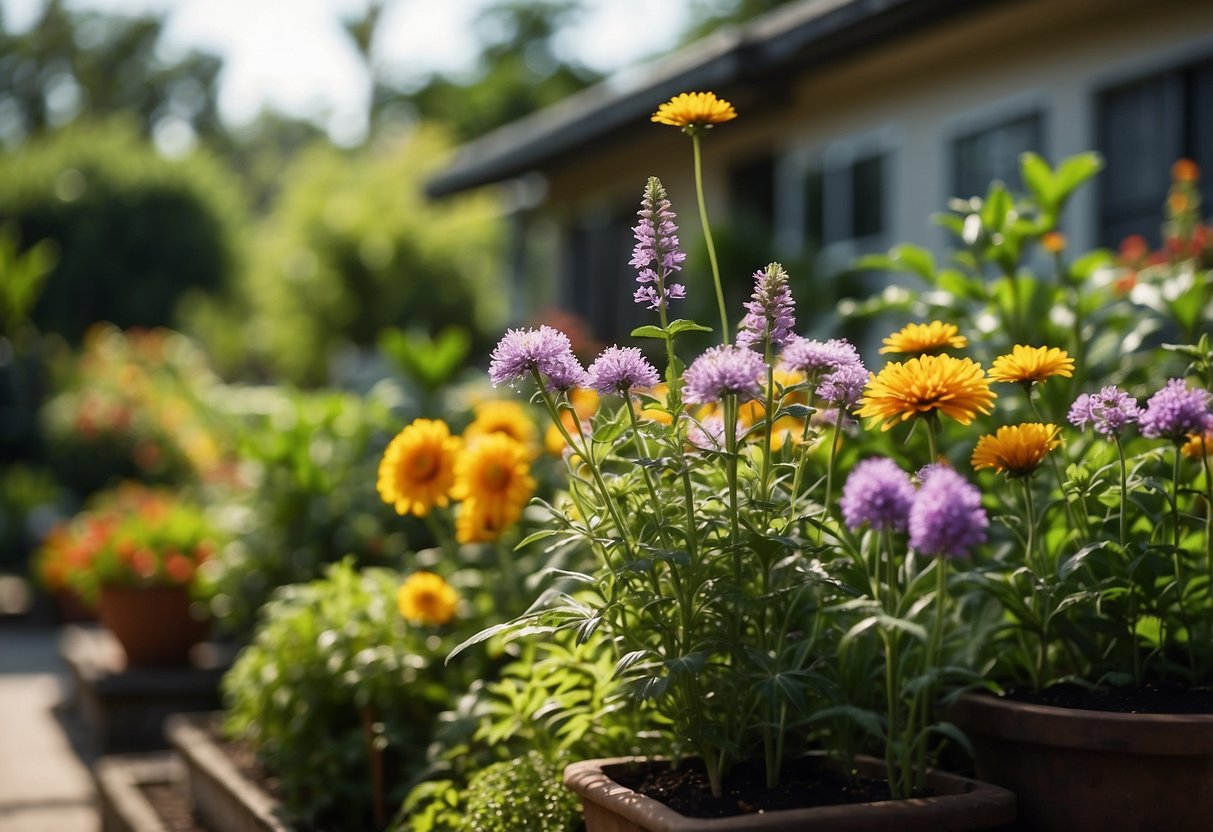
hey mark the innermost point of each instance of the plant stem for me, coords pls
(770, 424)
(1175, 538)
(1124, 538)
(1039, 568)
(707, 238)
(375, 762)
(830, 460)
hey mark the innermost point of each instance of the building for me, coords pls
(858, 120)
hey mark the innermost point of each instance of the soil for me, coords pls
(173, 807)
(1156, 698)
(803, 784)
(245, 759)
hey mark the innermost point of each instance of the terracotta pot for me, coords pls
(154, 625)
(1076, 770)
(958, 804)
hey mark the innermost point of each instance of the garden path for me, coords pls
(45, 786)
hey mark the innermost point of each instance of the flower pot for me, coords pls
(1076, 769)
(155, 625)
(958, 804)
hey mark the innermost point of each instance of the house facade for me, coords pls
(858, 119)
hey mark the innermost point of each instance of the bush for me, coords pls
(135, 231)
(525, 793)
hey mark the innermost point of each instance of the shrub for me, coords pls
(524, 793)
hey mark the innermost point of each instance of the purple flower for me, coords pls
(878, 493)
(723, 370)
(814, 357)
(1108, 411)
(619, 369)
(843, 387)
(769, 311)
(708, 433)
(656, 255)
(946, 518)
(1175, 411)
(522, 350)
(565, 372)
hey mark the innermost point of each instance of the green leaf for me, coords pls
(650, 331)
(915, 259)
(1038, 176)
(998, 205)
(531, 538)
(1073, 172)
(681, 325)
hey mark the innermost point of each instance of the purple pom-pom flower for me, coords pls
(723, 370)
(813, 357)
(521, 351)
(620, 369)
(878, 493)
(946, 518)
(843, 387)
(1175, 411)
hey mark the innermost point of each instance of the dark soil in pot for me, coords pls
(1156, 698)
(804, 783)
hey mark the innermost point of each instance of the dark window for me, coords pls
(1143, 127)
(752, 191)
(814, 210)
(855, 194)
(867, 196)
(597, 282)
(993, 154)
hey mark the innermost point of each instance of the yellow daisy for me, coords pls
(1016, 449)
(953, 386)
(418, 468)
(694, 109)
(493, 476)
(1198, 446)
(502, 416)
(919, 339)
(425, 598)
(1028, 365)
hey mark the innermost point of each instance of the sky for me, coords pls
(292, 55)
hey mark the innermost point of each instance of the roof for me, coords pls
(736, 62)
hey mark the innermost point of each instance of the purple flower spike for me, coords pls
(522, 350)
(1108, 411)
(656, 255)
(844, 386)
(814, 357)
(878, 493)
(620, 369)
(770, 311)
(1175, 411)
(723, 370)
(946, 518)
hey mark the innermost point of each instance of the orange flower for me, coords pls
(1028, 365)
(425, 598)
(1054, 242)
(1016, 449)
(953, 386)
(417, 471)
(1185, 170)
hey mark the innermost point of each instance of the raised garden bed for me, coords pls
(143, 793)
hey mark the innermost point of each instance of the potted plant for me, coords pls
(1097, 600)
(723, 576)
(135, 555)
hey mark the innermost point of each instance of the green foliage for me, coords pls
(312, 457)
(30, 499)
(22, 275)
(335, 687)
(524, 793)
(135, 231)
(351, 247)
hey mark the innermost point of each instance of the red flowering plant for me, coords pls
(132, 536)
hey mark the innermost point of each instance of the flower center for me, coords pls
(496, 476)
(422, 466)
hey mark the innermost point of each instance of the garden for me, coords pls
(725, 576)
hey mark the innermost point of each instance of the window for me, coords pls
(855, 191)
(597, 250)
(982, 156)
(752, 191)
(1143, 127)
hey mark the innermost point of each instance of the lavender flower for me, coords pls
(1108, 411)
(565, 372)
(521, 351)
(843, 387)
(878, 493)
(656, 253)
(1175, 411)
(723, 370)
(814, 357)
(708, 433)
(769, 311)
(946, 518)
(619, 369)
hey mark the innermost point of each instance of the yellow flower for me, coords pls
(1028, 365)
(953, 386)
(502, 416)
(917, 339)
(1053, 242)
(1016, 449)
(659, 415)
(1198, 446)
(585, 405)
(425, 598)
(418, 468)
(492, 477)
(694, 109)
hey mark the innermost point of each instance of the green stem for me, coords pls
(730, 443)
(1175, 539)
(707, 238)
(769, 424)
(830, 460)
(1072, 523)
(932, 426)
(1124, 538)
(934, 647)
